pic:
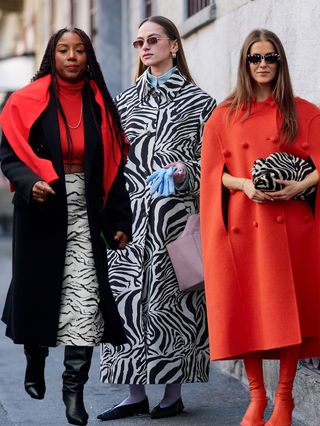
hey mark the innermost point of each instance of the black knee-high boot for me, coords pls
(77, 361)
(34, 382)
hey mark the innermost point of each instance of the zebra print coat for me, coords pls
(167, 330)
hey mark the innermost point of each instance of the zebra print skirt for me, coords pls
(80, 322)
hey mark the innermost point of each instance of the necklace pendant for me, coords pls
(80, 118)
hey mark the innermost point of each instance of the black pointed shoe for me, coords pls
(121, 411)
(171, 410)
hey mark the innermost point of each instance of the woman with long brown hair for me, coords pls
(260, 247)
(163, 116)
(63, 150)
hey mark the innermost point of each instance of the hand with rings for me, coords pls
(41, 190)
(253, 194)
(180, 173)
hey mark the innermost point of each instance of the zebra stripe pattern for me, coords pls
(80, 322)
(166, 329)
(284, 166)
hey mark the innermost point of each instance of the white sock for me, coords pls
(137, 394)
(171, 394)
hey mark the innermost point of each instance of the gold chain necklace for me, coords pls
(78, 124)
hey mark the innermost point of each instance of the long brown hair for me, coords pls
(173, 34)
(282, 88)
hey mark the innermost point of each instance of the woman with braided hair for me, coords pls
(63, 151)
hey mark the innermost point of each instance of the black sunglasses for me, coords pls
(270, 58)
(137, 44)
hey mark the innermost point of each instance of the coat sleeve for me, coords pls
(20, 176)
(117, 215)
(212, 192)
(192, 185)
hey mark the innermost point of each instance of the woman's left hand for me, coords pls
(290, 190)
(122, 239)
(181, 171)
(41, 190)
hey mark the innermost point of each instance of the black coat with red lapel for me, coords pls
(31, 310)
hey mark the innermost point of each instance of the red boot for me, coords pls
(258, 403)
(283, 405)
(282, 412)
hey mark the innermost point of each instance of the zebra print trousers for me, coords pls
(80, 322)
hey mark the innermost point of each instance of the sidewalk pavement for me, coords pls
(221, 402)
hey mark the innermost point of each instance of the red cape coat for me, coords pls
(261, 261)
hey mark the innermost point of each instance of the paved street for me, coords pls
(221, 402)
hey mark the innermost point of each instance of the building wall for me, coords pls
(216, 47)
(213, 50)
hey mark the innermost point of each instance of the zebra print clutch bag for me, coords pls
(281, 165)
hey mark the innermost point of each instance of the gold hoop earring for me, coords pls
(174, 55)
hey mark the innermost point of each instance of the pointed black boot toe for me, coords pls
(77, 360)
(35, 390)
(34, 382)
(75, 411)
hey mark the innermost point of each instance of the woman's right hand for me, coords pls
(245, 185)
(41, 190)
(253, 193)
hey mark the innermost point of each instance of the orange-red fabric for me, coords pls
(70, 95)
(258, 397)
(261, 271)
(21, 110)
(26, 105)
(283, 404)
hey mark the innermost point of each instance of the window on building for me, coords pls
(148, 8)
(197, 13)
(195, 6)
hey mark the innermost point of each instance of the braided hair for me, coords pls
(94, 72)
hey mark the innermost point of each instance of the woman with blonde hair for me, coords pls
(261, 248)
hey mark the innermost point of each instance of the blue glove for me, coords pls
(162, 182)
(168, 185)
(155, 175)
(157, 181)
(157, 186)
(171, 185)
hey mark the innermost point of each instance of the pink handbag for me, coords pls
(186, 257)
